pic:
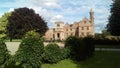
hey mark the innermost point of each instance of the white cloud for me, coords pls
(11, 9)
(52, 4)
(97, 29)
(56, 18)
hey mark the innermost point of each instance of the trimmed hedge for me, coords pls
(107, 41)
(80, 48)
(52, 53)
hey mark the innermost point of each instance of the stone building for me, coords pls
(82, 28)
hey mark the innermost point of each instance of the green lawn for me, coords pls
(100, 60)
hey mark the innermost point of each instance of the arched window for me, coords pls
(58, 25)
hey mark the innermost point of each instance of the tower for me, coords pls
(92, 16)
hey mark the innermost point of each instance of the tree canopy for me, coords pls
(114, 20)
(23, 20)
(3, 23)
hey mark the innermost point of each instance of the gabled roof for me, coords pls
(85, 19)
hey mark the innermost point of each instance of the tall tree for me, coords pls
(114, 21)
(23, 20)
(3, 23)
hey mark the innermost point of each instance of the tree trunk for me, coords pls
(10, 39)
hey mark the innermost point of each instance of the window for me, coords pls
(53, 29)
(58, 25)
(66, 29)
(88, 28)
(53, 36)
(82, 34)
(88, 34)
(58, 35)
(66, 34)
(82, 28)
(85, 22)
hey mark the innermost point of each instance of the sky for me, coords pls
(68, 11)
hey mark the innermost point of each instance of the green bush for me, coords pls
(29, 54)
(80, 48)
(52, 53)
(65, 53)
(4, 53)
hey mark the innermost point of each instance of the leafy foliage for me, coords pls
(4, 53)
(114, 22)
(3, 23)
(23, 20)
(52, 53)
(65, 53)
(80, 48)
(29, 53)
(32, 33)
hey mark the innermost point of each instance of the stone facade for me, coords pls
(82, 28)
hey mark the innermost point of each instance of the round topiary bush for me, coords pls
(4, 54)
(52, 53)
(29, 54)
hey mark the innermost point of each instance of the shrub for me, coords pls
(29, 53)
(52, 53)
(65, 53)
(4, 53)
(79, 47)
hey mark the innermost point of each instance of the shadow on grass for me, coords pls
(101, 60)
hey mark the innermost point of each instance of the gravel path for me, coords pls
(13, 47)
(106, 49)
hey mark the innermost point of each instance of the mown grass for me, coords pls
(101, 59)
